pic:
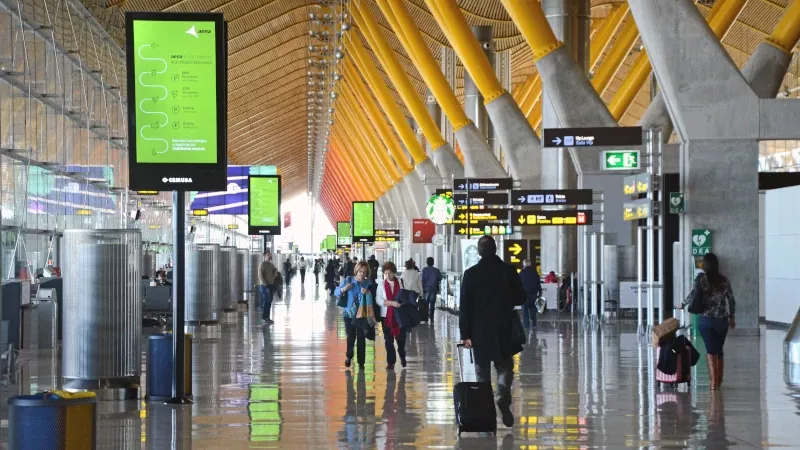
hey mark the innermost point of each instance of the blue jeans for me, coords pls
(266, 301)
(529, 314)
(714, 330)
(430, 299)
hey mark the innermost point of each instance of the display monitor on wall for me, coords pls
(343, 237)
(330, 242)
(363, 216)
(264, 197)
(177, 101)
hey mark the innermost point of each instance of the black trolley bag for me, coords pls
(474, 403)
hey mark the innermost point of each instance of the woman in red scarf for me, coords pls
(387, 292)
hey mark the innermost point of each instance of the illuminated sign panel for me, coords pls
(552, 218)
(392, 235)
(552, 197)
(264, 213)
(343, 237)
(177, 93)
(363, 215)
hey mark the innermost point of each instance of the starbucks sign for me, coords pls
(440, 209)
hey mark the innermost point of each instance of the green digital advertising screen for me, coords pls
(264, 205)
(177, 100)
(343, 237)
(363, 222)
(330, 242)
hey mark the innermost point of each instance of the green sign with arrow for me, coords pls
(619, 160)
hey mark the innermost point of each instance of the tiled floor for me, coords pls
(285, 387)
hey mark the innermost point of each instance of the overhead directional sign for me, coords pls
(619, 160)
(481, 215)
(463, 230)
(636, 209)
(387, 235)
(515, 251)
(564, 217)
(551, 197)
(482, 184)
(446, 192)
(481, 198)
(592, 137)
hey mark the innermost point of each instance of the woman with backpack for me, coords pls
(386, 299)
(713, 291)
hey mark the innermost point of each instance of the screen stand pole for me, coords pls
(178, 300)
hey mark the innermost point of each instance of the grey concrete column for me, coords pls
(570, 23)
(716, 114)
(443, 157)
(473, 100)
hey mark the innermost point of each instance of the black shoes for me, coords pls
(347, 362)
(390, 367)
(403, 362)
(505, 412)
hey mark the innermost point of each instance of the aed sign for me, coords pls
(701, 242)
(177, 90)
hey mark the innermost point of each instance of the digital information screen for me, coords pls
(330, 242)
(343, 238)
(177, 104)
(363, 215)
(264, 198)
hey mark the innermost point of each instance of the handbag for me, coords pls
(407, 316)
(517, 330)
(406, 296)
(342, 302)
(697, 304)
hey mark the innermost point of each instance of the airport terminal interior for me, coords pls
(193, 191)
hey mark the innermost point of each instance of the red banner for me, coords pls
(422, 231)
(287, 220)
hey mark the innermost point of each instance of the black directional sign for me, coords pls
(566, 217)
(463, 230)
(592, 137)
(446, 192)
(482, 184)
(515, 251)
(387, 235)
(481, 198)
(481, 216)
(551, 197)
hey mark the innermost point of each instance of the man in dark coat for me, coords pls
(533, 289)
(489, 292)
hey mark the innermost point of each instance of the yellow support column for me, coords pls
(452, 23)
(385, 99)
(360, 120)
(529, 17)
(354, 83)
(399, 78)
(615, 57)
(428, 67)
(787, 31)
(606, 33)
(356, 131)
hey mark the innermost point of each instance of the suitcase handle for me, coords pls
(459, 346)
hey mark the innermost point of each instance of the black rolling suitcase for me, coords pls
(422, 309)
(474, 403)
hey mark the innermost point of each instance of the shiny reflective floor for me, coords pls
(285, 386)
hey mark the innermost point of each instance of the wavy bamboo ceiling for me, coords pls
(268, 43)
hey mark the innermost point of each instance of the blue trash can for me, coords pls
(53, 421)
(159, 367)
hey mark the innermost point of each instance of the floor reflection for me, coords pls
(284, 386)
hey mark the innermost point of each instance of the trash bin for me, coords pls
(54, 420)
(159, 366)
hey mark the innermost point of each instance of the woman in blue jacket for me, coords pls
(355, 288)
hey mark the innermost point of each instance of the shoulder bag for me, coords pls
(697, 304)
(342, 302)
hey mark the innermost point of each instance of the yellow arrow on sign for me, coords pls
(462, 231)
(516, 249)
(521, 219)
(462, 216)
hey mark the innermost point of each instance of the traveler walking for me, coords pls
(718, 317)
(330, 276)
(533, 289)
(355, 287)
(267, 272)
(374, 266)
(387, 293)
(302, 265)
(287, 270)
(489, 292)
(317, 270)
(431, 279)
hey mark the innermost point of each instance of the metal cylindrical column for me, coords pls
(254, 259)
(202, 290)
(225, 277)
(102, 320)
(570, 22)
(241, 280)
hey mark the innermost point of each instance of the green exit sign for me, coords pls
(619, 160)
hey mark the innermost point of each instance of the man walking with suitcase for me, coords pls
(489, 292)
